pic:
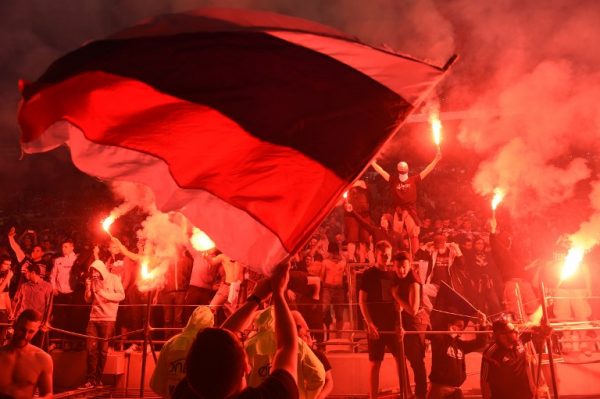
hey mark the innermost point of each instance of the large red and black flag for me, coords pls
(250, 123)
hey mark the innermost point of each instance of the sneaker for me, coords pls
(87, 385)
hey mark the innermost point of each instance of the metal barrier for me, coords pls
(148, 341)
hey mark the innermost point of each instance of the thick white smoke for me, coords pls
(132, 195)
(533, 73)
(530, 69)
(161, 237)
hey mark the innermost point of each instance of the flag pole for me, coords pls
(404, 383)
(145, 347)
(545, 323)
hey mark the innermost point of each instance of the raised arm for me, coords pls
(286, 356)
(15, 245)
(480, 339)
(431, 166)
(87, 295)
(125, 251)
(240, 319)
(380, 170)
(493, 224)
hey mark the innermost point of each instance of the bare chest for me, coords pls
(18, 370)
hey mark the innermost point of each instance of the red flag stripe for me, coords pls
(276, 185)
(277, 91)
(217, 218)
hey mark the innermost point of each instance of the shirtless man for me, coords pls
(333, 292)
(230, 286)
(25, 367)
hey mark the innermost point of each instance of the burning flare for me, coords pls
(200, 241)
(536, 317)
(145, 272)
(148, 277)
(436, 128)
(572, 263)
(106, 223)
(345, 195)
(498, 197)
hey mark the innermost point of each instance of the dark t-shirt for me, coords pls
(441, 269)
(378, 286)
(404, 284)
(507, 372)
(505, 260)
(279, 385)
(405, 193)
(448, 358)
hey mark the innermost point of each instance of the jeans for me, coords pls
(97, 350)
(196, 296)
(62, 316)
(173, 311)
(414, 348)
(333, 296)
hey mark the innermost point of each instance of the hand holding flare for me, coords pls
(106, 223)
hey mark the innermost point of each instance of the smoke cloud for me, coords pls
(161, 237)
(532, 83)
(132, 195)
(527, 76)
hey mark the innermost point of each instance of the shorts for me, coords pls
(377, 346)
(403, 218)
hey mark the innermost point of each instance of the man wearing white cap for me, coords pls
(404, 189)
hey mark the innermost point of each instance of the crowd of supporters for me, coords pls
(460, 250)
(90, 286)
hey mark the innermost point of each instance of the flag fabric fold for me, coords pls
(450, 304)
(251, 124)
